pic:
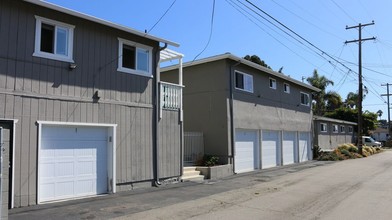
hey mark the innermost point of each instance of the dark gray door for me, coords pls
(6, 148)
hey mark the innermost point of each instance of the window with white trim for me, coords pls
(286, 88)
(304, 99)
(323, 127)
(342, 129)
(272, 83)
(134, 58)
(53, 40)
(243, 81)
(335, 128)
(350, 129)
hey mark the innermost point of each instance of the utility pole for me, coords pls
(360, 86)
(389, 118)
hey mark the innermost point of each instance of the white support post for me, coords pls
(180, 82)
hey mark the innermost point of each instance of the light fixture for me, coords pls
(72, 66)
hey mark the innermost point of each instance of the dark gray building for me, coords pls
(79, 102)
(329, 133)
(251, 117)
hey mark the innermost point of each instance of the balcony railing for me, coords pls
(171, 96)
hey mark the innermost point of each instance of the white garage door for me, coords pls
(246, 151)
(289, 147)
(72, 162)
(270, 149)
(304, 146)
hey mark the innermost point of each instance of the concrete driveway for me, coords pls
(352, 189)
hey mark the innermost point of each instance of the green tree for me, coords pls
(333, 101)
(349, 114)
(256, 59)
(351, 100)
(320, 82)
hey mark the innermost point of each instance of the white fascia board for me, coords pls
(246, 62)
(99, 21)
(320, 118)
(75, 124)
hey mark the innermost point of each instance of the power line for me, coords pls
(306, 20)
(299, 36)
(161, 17)
(211, 30)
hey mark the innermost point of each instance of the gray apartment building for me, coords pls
(251, 117)
(80, 107)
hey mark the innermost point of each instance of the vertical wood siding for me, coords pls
(169, 147)
(33, 89)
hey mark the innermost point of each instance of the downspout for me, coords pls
(231, 109)
(157, 183)
(180, 82)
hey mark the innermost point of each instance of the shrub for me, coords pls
(353, 149)
(317, 151)
(343, 147)
(210, 160)
(346, 153)
(357, 155)
(329, 156)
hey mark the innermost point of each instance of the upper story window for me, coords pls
(350, 129)
(342, 129)
(243, 81)
(286, 88)
(305, 99)
(272, 83)
(335, 128)
(323, 127)
(53, 40)
(134, 58)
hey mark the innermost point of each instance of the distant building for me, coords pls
(330, 133)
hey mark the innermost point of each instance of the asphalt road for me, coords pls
(353, 189)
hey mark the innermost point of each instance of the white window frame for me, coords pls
(286, 88)
(54, 55)
(342, 129)
(323, 127)
(308, 99)
(350, 129)
(335, 128)
(246, 76)
(137, 46)
(272, 83)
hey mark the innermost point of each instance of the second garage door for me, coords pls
(270, 149)
(72, 162)
(304, 146)
(289, 147)
(246, 151)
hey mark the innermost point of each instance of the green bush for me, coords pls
(346, 153)
(210, 160)
(317, 151)
(329, 156)
(353, 149)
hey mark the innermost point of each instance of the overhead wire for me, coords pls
(299, 36)
(211, 30)
(164, 14)
(306, 20)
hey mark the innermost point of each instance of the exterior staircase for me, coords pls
(191, 174)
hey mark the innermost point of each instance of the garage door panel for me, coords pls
(69, 157)
(304, 146)
(289, 145)
(246, 151)
(270, 149)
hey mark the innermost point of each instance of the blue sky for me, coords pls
(239, 31)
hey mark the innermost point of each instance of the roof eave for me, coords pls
(100, 21)
(246, 62)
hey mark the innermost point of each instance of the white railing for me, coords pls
(171, 96)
